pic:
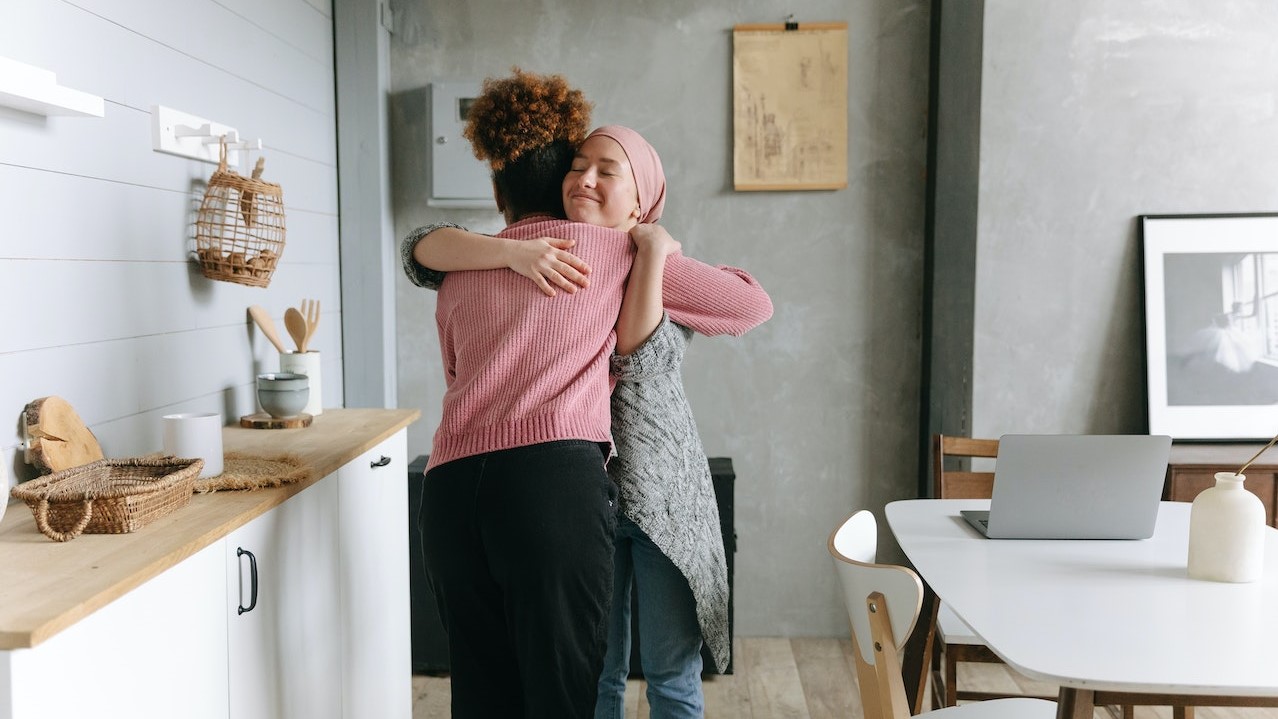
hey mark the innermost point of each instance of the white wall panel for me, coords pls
(51, 216)
(72, 302)
(209, 370)
(105, 306)
(212, 34)
(92, 54)
(310, 33)
(323, 7)
(56, 213)
(117, 147)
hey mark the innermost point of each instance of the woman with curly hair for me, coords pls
(517, 512)
(669, 540)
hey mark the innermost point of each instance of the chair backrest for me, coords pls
(883, 603)
(953, 484)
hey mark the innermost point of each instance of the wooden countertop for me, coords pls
(47, 586)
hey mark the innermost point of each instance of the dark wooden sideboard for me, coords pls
(1192, 468)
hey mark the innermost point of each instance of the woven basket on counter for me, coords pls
(239, 232)
(109, 496)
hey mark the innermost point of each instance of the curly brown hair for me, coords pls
(517, 114)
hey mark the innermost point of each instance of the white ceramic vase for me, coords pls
(1226, 532)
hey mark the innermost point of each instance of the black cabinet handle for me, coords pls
(380, 463)
(240, 552)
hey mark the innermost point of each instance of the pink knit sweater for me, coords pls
(523, 368)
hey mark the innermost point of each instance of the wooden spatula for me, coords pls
(267, 325)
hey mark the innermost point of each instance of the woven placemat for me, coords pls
(247, 471)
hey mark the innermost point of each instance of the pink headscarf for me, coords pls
(645, 163)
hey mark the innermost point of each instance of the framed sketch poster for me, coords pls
(1211, 325)
(790, 106)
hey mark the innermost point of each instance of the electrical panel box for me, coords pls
(457, 179)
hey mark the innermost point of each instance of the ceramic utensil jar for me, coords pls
(307, 363)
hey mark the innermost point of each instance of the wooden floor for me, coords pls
(804, 679)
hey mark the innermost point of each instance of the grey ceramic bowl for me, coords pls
(283, 394)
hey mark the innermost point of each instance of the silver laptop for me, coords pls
(1075, 487)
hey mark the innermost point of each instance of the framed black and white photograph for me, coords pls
(1211, 325)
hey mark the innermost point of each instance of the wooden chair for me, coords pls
(883, 603)
(954, 642)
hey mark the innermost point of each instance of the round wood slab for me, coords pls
(57, 438)
(262, 420)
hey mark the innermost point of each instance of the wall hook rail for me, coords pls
(178, 133)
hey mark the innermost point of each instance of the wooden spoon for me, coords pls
(267, 325)
(295, 323)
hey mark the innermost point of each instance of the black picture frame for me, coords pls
(1211, 325)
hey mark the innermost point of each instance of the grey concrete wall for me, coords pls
(1094, 112)
(819, 407)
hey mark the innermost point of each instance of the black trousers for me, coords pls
(518, 545)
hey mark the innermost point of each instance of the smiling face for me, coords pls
(600, 188)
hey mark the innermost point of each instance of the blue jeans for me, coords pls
(670, 651)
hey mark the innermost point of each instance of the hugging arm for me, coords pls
(713, 300)
(641, 308)
(661, 353)
(430, 252)
(418, 273)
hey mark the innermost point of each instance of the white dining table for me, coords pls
(1102, 618)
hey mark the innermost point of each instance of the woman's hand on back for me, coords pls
(548, 263)
(652, 240)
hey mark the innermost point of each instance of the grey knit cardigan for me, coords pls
(664, 477)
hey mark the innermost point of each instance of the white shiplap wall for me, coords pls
(101, 303)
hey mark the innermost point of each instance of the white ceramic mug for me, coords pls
(195, 435)
(307, 363)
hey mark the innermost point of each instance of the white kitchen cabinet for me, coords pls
(376, 643)
(157, 651)
(329, 635)
(285, 652)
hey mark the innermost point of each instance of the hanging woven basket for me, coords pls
(239, 232)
